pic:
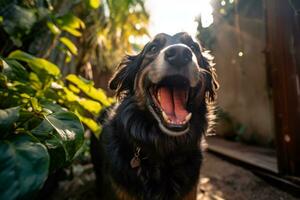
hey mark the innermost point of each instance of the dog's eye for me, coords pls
(153, 49)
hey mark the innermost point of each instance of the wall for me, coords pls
(245, 93)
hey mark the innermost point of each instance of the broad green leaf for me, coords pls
(72, 31)
(14, 70)
(56, 151)
(69, 95)
(23, 169)
(3, 81)
(88, 89)
(28, 120)
(69, 130)
(51, 106)
(71, 46)
(92, 106)
(53, 28)
(38, 65)
(71, 24)
(25, 96)
(35, 104)
(68, 56)
(91, 124)
(22, 87)
(35, 81)
(8, 117)
(73, 88)
(94, 3)
(43, 129)
(70, 20)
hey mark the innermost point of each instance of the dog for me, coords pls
(149, 147)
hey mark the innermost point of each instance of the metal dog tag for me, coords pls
(135, 162)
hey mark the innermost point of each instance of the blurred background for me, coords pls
(57, 57)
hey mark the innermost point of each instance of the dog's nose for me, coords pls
(178, 55)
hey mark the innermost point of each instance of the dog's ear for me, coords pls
(212, 83)
(123, 78)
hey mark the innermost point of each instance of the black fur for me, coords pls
(169, 165)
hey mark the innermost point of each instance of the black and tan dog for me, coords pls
(150, 144)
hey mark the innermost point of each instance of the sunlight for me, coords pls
(173, 16)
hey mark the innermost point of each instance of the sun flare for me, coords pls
(171, 16)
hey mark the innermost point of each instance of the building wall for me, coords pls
(244, 90)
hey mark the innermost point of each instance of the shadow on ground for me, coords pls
(219, 180)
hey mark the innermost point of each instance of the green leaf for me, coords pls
(24, 167)
(70, 21)
(73, 88)
(71, 24)
(68, 56)
(69, 95)
(14, 70)
(56, 151)
(8, 117)
(88, 88)
(51, 106)
(71, 46)
(72, 31)
(3, 81)
(35, 81)
(35, 104)
(92, 106)
(43, 129)
(91, 124)
(69, 130)
(38, 65)
(53, 28)
(94, 3)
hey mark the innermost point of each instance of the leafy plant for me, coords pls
(42, 113)
(74, 34)
(40, 116)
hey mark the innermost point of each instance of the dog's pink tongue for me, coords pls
(172, 102)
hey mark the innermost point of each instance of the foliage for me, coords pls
(41, 110)
(39, 134)
(24, 167)
(73, 34)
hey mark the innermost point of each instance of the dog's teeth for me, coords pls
(188, 117)
(158, 96)
(165, 116)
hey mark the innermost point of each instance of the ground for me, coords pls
(223, 180)
(219, 180)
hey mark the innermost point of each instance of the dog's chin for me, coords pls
(169, 130)
(168, 101)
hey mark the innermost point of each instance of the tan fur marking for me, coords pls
(122, 194)
(192, 195)
(138, 87)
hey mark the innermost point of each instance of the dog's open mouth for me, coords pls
(169, 105)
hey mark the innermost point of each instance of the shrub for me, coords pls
(40, 121)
